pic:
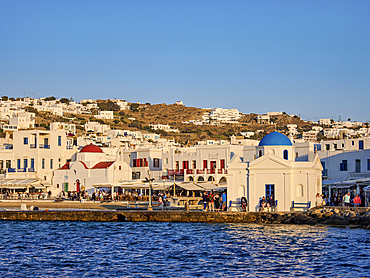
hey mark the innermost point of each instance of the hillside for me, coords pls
(141, 116)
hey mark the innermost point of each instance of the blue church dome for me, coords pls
(275, 139)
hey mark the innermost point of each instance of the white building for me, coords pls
(90, 167)
(105, 115)
(166, 128)
(96, 127)
(263, 119)
(325, 121)
(271, 170)
(277, 113)
(67, 127)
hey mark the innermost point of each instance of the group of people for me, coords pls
(214, 201)
(25, 195)
(267, 204)
(339, 200)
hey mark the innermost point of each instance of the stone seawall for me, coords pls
(355, 218)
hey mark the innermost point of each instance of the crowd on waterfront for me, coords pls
(214, 201)
(341, 200)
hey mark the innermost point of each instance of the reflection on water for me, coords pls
(92, 249)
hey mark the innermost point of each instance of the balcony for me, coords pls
(189, 171)
(22, 170)
(43, 146)
(176, 172)
(200, 172)
(33, 146)
(31, 169)
(11, 170)
(211, 171)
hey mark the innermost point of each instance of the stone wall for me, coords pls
(353, 217)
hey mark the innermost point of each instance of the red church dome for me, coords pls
(91, 149)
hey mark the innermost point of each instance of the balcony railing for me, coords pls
(176, 172)
(200, 172)
(43, 146)
(69, 147)
(33, 146)
(210, 171)
(189, 171)
(20, 170)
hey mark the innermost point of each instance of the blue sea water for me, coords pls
(93, 249)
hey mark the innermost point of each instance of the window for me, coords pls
(222, 164)
(194, 164)
(270, 191)
(205, 164)
(299, 190)
(43, 163)
(25, 140)
(285, 154)
(368, 164)
(8, 164)
(156, 162)
(51, 164)
(335, 146)
(18, 163)
(59, 140)
(260, 153)
(361, 144)
(120, 167)
(296, 155)
(135, 175)
(32, 163)
(327, 147)
(1, 164)
(344, 165)
(353, 143)
(25, 163)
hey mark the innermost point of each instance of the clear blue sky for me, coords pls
(303, 57)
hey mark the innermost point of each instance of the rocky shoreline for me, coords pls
(326, 216)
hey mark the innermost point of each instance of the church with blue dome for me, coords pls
(271, 168)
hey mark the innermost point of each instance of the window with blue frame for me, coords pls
(285, 154)
(32, 163)
(18, 163)
(270, 191)
(344, 165)
(25, 163)
(25, 140)
(43, 163)
(51, 164)
(368, 164)
(59, 140)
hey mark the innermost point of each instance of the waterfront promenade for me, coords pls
(118, 212)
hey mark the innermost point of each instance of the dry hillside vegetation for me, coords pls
(174, 115)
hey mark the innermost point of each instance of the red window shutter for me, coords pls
(205, 164)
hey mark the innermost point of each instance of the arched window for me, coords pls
(285, 154)
(200, 178)
(211, 178)
(190, 179)
(260, 153)
(299, 190)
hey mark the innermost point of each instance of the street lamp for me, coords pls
(149, 180)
